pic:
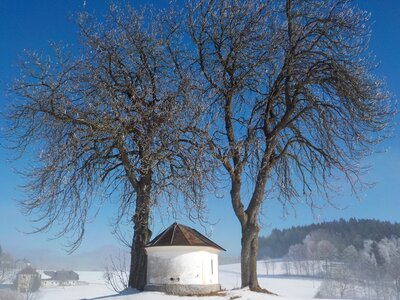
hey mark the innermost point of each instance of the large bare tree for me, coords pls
(107, 118)
(294, 101)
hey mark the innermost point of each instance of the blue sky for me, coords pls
(26, 24)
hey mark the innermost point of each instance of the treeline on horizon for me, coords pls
(342, 234)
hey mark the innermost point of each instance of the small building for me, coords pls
(182, 261)
(28, 280)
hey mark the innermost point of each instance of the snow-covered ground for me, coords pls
(285, 287)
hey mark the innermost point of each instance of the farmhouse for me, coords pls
(182, 261)
(59, 278)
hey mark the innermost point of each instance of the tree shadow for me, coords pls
(284, 276)
(123, 293)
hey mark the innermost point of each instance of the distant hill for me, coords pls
(344, 233)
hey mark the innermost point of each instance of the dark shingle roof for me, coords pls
(28, 270)
(50, 273)
(65, 275)
(181, 235)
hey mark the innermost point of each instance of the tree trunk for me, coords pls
(245, 259)
(249, 241)
(141, 236)
(253, 284)
(249, 257)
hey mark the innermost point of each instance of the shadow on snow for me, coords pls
(123, 293)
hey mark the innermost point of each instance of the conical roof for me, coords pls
(181, 235)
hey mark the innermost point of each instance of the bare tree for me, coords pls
(349, 255)
(326, 252)
(390, 251)
(116, 275)
(298, 254)
(269, 266)
(31, 296)
(362, 276)
(293, 98)
(110, 117)
(287, 264)
(7, 266)
(340, 285)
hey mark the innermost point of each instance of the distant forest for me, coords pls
(341, 233)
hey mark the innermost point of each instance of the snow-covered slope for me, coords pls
(286, 288)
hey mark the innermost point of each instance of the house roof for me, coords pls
(28, 270)
(50, 273)
(65, 275)
(181, 235)
(44, 276)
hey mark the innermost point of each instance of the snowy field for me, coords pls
(95, 289)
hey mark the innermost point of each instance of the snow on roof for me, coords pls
(44, 276)
(181, 235)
